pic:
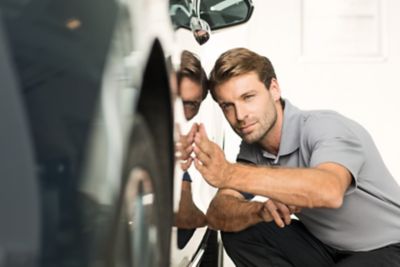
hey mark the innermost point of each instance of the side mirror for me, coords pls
(200, 15)
(201, 30)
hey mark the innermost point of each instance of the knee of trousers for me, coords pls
(249, 234)
(265, 233)
(230, 241)
(229, 238)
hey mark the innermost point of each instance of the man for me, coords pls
(192, 88)
(192, 83)
(318, 164)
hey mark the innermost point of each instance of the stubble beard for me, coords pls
(266, 125)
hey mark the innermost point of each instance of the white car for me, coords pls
(87, 142)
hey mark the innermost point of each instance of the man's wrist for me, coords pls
(228, 174)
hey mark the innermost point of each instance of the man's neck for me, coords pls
(272, 139)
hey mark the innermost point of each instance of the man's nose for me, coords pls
(241, 113)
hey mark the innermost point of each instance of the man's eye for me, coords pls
(190, 104)
(226, 106)
(248, 97)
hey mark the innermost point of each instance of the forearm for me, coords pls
(300, 187)
(231, 214)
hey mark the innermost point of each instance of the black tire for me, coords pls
(143, 237)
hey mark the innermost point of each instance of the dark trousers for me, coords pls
(265, 244)
(210, 257)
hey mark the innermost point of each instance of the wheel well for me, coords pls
(155, 106)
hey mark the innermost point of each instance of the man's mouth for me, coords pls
(246, 129)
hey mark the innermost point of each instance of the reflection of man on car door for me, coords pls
(193, 89)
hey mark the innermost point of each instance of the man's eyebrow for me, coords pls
(224, 103)
(191, 101)
(248, 93)
(195, 104)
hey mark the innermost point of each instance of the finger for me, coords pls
(285, 212)
(186, 140)
(273, 210)
(201, 135)
(276, 216)
(204, 144)
(189, 137)
(186, 164)
(199, 166)
(178, 129)
(204, 172)
(185, 146)
(178, 144)
(193, 130)
(202, 131)
(189, 150)
(201, 156)
(185, 153)
(178, 154)
(205, 141)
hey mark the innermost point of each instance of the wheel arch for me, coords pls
(155, 105)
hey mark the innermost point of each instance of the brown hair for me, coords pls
(191, 68)
(238, 61)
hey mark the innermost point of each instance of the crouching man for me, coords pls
(319, 162)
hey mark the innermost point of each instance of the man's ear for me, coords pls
(275, 89)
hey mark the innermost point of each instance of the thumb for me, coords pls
(202, 131)
(185, 165)
(193, 130)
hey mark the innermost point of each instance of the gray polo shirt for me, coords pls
(370, 215)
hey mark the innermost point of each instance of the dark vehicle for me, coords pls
(86, 137)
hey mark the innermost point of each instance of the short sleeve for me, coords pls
(330, 139)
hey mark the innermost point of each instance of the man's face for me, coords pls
(248, 106)
(191, 94)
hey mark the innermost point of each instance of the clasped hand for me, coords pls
(279, 212)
